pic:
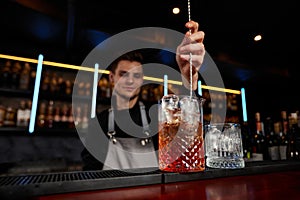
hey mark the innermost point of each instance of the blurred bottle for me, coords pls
(61, 85)
(2, 114)
(88, 88)
(274, 147)
(144, 93)
(269, 132)
(25, 77)
(283, 134)
(284, 123)
(71, 123)
(57, 117)
(246, 141)
(15, 75)
(41, 115)
(28, 111)
(10, 117)
(81, 88)
(69, 87)
(32, 79)
(293, 145)
(85, 118)
(78, 117)
(64, 116)
(53, 84)
(21, 120)
(45, 83)
(5, 75)
(259, 146)
(50, 115)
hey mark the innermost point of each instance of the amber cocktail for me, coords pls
(181, 145)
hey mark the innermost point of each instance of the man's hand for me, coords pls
(191, 43)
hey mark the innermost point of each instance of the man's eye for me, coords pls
(137, 75)
(123, 74)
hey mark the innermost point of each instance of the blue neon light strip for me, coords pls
(36, 93)
(199, 88)
(244, 104)
(93, 108)
(165, 85)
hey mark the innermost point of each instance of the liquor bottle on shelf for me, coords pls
(269, 136)
(283, 134)
(81, 88)
(15, 75)
(5, 75)
(144, 93)
(85, 120)
(10, 117)
(274, 142)
(53, 85)
(284, 123)
(259, 147)
(32, 79)
(45, 85)
(50, 115)
(41, 115)
(57, 117)
(25, 77)
(64, 116)
(2, 114)
(78, 117)
(69, 87)
(71, 124)
(246, 141)
(103, 84)
(88, 88)
(28, 111)
(292, 148)
(61, 85)
(21, 115)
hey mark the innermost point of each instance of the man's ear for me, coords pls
(111, 77)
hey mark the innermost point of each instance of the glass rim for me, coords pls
(181, 96)
(223, 124)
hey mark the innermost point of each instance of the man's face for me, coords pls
(127, 79)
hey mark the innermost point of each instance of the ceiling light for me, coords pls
(257, 38)
(176, 10)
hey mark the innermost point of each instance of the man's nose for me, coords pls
(129, 79)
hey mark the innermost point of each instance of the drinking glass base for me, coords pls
(225, 163)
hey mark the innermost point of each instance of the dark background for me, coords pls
(67, 30)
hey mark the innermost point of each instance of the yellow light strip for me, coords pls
(68, 66)
(149, 78)
(19, 58)
(107, 72)
(221, 89)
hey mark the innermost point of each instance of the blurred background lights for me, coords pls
(176, 10)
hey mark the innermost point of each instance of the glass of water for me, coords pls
(223, 146)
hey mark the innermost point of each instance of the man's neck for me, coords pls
(125, 103)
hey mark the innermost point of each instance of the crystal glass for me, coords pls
(223, 146)
(181, 147)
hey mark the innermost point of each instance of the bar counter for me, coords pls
(258, 180)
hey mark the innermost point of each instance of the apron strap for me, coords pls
(144, 119)
(111, 125)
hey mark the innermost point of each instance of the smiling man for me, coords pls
(130, 141)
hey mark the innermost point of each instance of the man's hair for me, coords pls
(130, 56)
